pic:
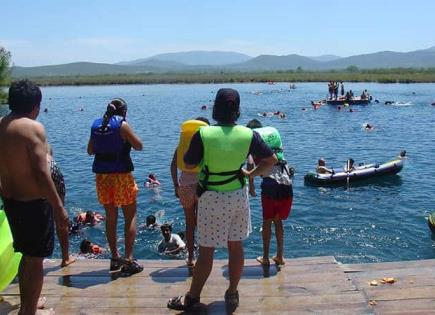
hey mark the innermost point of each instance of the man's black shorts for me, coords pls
(32, 226)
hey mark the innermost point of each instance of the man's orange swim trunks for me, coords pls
(118, 189)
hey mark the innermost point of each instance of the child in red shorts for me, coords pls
(276, 195)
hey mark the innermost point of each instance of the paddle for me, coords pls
(348, 173)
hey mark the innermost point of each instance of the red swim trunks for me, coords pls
(273, 207)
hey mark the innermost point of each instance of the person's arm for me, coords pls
(250, 167)
(174, 173)
(128, 134)
(90, 147)
(194, 154)
(260, 150)
(180, 245)
(37, 151)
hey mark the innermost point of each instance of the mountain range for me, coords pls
(214, 61)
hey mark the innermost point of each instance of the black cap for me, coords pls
(226, 106)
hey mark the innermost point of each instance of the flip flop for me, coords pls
(262, 261)
(279, 262)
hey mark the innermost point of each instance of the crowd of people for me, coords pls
(335, 87)
(213, 188)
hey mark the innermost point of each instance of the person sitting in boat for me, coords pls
(348, 96)
(349, 167)
(321, 167)
(364, 95)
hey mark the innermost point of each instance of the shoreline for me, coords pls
(405, 76)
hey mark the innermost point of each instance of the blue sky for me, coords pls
(41, 32)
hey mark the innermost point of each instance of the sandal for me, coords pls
(232, 299)
(177, 303)
(116, 264)
(131, 267)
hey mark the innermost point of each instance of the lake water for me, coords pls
(382, 221)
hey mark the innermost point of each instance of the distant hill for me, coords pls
(273, 63)
(196, 58)
(212, 61)
(78, 68)
(325, 58)
(386, 59)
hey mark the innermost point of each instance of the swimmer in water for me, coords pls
(89, 217)
(152, 181)
(368, 127)
(86, 247)
(171, 244)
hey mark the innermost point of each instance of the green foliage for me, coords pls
(5, 58)
(396, 75)
(352, 68)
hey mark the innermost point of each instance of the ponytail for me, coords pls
(116, 107)
(110, 111)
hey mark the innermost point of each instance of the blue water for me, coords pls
(382, 221)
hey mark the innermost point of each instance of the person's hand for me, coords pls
(252, 192)
(245, 172)
(176, 191)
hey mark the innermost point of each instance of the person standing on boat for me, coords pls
(223, 204)
(111, 141)
(30, 199)
(276, 193)
(342, 88)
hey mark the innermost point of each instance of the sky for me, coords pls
(44, 32)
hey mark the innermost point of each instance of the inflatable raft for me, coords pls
(9, 260)
(340, 177)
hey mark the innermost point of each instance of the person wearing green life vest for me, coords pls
(276, 193)
(223, 205)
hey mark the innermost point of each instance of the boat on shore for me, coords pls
(366, 171)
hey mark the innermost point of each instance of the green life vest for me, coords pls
(273, 139)
(225, 151)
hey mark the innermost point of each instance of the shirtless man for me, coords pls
(27, 187)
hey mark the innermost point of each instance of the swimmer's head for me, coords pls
(403, 153)
(152, 176)
(85, 246)
(166, 227)
(150, 220)
(166, 230)
(90, 216)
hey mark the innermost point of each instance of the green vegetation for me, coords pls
(351, 74)
(5, 58)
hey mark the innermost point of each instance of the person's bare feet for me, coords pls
(69, 261)
(45, 312)
(278, 260)
(41, 302)
(263, 260)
